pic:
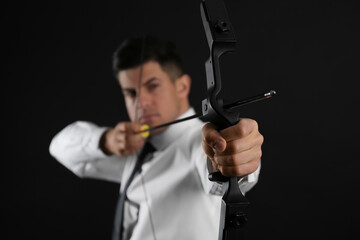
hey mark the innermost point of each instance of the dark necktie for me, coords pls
(119, 214)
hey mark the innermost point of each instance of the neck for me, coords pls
(184, 106)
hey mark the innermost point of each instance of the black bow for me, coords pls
(221, 39)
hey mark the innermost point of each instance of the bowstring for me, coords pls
(140, 77)
(137, 100)
(143, 184)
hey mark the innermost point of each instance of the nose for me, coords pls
(144, 99)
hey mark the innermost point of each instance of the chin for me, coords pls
(154, 122)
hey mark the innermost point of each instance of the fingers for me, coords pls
(235, 151)
(239, 164)
(128, 127)
(210, 153)
(239, 171)
(212, 143)
(243, 128)
(123, 139)
(212, 138)
(253, 140)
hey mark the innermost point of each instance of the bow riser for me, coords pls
(221, 40)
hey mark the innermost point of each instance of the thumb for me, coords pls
(213, 138)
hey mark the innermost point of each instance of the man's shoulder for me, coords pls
(191, 135)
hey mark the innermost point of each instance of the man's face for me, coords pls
(154, 99)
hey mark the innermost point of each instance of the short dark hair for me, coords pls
(133, 52)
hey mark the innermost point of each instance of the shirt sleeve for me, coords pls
(77, 148)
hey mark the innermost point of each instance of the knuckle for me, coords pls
(230, 148)
(260, 139)
(206, 128)
(134, 126)
(230, 160)
(119, 136)
(240, 128)
(233, 147)
(240, 171)
(258, 154)
(254, 155)
(247, 125)
(253, 166)
(253, 124)
(227, 161)
(244, 170)
(239, 147)
(120, 126)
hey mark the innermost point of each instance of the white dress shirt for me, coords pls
(172, 197)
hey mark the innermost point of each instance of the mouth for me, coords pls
(147, 118)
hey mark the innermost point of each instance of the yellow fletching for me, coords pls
(146, 133)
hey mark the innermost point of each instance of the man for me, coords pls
(171, 197)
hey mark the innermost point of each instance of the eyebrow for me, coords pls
(149, 81)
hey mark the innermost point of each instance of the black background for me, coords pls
(57, 69)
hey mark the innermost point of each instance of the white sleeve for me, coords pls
(77, 148)
(248, 182)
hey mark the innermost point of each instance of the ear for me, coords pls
(183, 85)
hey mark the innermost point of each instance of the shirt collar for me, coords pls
(170, 135)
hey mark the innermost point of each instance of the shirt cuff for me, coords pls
(245, 183)
(92, 148)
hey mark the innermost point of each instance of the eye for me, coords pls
(153, 86)
(130, 93)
